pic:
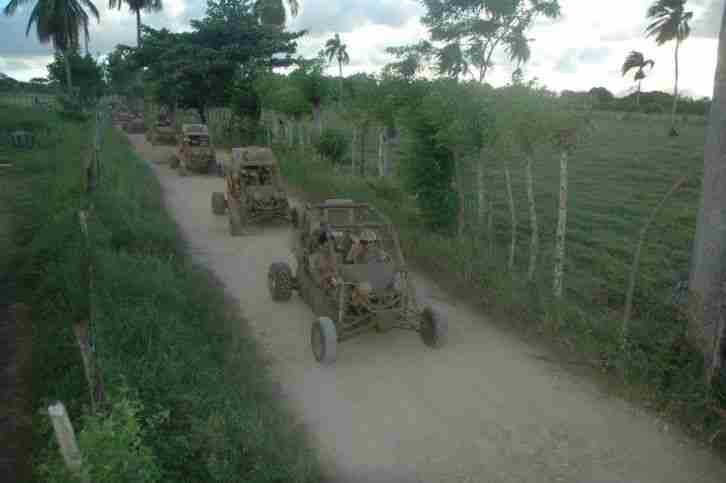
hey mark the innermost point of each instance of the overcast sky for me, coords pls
(584, 48)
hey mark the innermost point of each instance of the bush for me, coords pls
(333, 145)
(653, 108)
(112, 446)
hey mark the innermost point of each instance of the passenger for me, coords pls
(264, 176)
(366, 249)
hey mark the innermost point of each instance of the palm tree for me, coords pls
(636, 60)
(137, 6)
(708, 329)
(58, 22)
(272, 12)
(670, 22)
(336, 49)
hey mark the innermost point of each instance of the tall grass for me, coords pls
(189, 388)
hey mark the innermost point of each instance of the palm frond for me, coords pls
(343, 55)
(669, 21)
(89, 5)
(34, 18)
(153, 5)
(634, 60)
(13, 6)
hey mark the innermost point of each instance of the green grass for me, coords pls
(616, 179)
(191, 392)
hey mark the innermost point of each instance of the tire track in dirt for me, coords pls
(481, 409)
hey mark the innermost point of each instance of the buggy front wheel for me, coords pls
(433, 329)
(324, 340)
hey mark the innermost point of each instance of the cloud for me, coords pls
(567, 63)
(584, 47)
(25, 67)
(593, 55)
(344, 16)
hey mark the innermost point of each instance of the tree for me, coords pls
(86, 72)
(272, 12)
(223, 54)
(137, 6)
(412, 60)
(602, 96)
(524, 119)
(315, 86)
(670, 22)
(636, 60)
(471, 31)
(708, 262)
(120, 70)
(58, 22)
(336, 49)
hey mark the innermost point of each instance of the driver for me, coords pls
(251, 177)
(264, 176)
(164, 116)
(366, 249)
(323, 259)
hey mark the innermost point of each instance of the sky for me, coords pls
(584, 48)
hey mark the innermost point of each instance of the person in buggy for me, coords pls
(323, 260)
(367, 249)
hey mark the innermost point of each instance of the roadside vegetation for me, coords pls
(188, 399)
(616, 180)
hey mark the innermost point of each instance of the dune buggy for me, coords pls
(347, 295)
(195, 151)
(254, 191)
(163, 132)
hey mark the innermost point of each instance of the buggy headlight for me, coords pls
(399, 281)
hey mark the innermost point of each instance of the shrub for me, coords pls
(653, 108)
(112, 446)
(333, 145)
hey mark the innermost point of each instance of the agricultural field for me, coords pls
(616, 179)
(27, 99)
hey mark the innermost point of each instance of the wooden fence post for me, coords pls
(66, 438)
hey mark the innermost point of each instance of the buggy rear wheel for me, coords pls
(219, 204)
(433, 329)
(279, 281)
(294, 217)
(324, 340)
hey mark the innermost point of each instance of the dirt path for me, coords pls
(483, 409)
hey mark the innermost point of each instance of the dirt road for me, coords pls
(482, 409)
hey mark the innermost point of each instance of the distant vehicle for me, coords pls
(163, 132)
(351, 272)
(195, 151)
(254, 193)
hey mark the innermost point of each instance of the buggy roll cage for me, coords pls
(348, 204)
